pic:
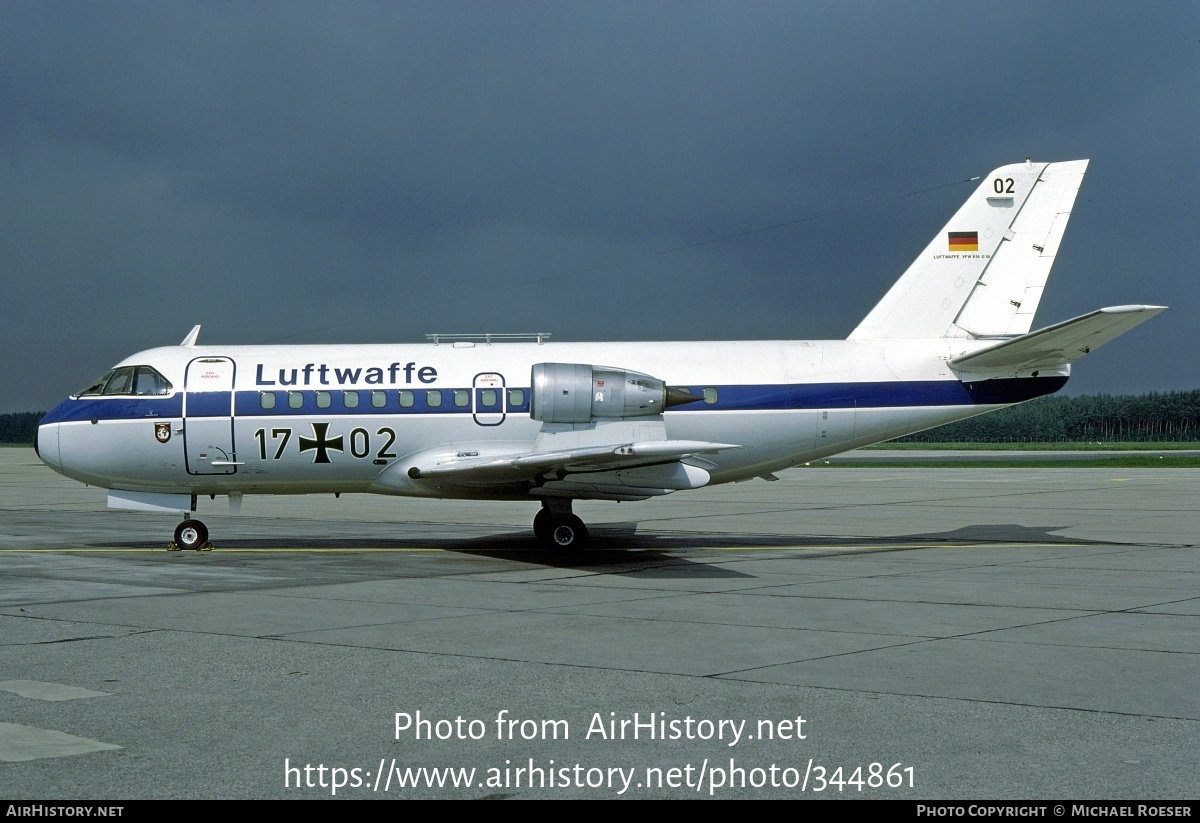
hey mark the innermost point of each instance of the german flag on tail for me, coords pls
(964, 241)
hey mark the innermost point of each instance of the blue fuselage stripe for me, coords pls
(763, 397)
(208, 404)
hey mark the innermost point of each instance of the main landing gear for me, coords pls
(557, 528)
(191, 535)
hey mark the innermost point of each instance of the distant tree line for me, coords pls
(1157, 416)
(19, 428)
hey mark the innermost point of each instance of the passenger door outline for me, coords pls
(208, 416)
(488, 386)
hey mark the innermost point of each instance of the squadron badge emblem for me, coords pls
(162, 432)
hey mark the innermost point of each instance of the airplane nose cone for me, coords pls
(45, 444)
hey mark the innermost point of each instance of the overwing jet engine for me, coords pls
(578, 393)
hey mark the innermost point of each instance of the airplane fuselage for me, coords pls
(307, 419)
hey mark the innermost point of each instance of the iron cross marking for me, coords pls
(319, 442)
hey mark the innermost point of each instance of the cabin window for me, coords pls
(710, 396)
(350, 399)
(433, 398)
(406, 399)
(462, 398)
(488, 398)
(379, 399)
(324, 400)
(296, 399)
(516, 397)
(266, 399)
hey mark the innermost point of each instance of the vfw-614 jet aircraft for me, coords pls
(558, 422)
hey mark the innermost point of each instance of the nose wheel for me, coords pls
(191, 535)
(556, 528)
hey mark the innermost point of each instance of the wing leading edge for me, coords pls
(615, 471)
(486, 469)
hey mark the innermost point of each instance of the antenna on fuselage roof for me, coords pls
(190, 340)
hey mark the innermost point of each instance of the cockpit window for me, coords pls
(148, 381)
(97, 385)
(142, 381)
(121, 382)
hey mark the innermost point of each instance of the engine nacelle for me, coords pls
(579, 393)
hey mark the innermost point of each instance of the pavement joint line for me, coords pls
(882, 547)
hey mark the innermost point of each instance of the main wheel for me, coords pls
(568, 533)
(542, 524)
(191, 535)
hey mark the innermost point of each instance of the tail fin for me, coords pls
(984, 273)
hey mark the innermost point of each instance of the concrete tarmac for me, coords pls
(842, 633)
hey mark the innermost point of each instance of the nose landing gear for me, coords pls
(191, 535)
(557, 528)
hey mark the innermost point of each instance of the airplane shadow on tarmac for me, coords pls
(623, 549)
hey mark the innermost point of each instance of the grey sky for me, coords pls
(369, 172)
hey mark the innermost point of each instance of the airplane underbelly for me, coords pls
(769, 441)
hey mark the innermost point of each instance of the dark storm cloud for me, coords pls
(370, 172)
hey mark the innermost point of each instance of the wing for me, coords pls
(486, 469)
(597, 464)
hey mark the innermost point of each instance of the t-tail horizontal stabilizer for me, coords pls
(1058, 345)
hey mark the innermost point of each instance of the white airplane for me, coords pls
(484, 417)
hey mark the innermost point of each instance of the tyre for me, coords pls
(542, 524)
(191, 535)
(568, 533)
